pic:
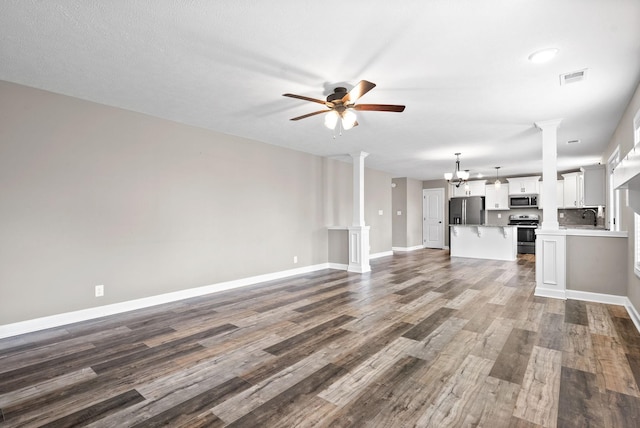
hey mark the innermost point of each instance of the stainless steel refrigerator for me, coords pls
(467, 210)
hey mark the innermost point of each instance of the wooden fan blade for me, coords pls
(300, 97)
(379, 107)
(310, 114)
(359, 90)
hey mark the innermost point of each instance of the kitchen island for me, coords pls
(484, 241)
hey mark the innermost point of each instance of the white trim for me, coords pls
(358, 269)
(382, 254)
(633, 313)
(405, 249)
(57, 320)
(609, 299)
(601, 233)
(338, 266)
(550, 292)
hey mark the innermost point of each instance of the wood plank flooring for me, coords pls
(423, 340)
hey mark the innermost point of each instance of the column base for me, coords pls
(359, 249)
(551, 264)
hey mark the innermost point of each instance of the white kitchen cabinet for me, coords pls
(524, 185)
(594, 185)
(572, 190)
(473, 188)
(497, 198)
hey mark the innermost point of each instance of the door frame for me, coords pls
(440, 191)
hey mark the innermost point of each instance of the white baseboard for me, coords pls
(382, 254)
(338, 266)
(609, 299)
(43, 323)
(405, 249)
(633, 313)
(549, 292)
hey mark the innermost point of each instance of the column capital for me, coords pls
(548, 124)
(359, 155)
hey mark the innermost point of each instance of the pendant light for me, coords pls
(497, 182)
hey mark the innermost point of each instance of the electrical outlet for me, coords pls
(561, 215)
(379, 212)
(99, 290)
(295, 259)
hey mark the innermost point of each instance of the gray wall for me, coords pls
(338, 210)
(407, 198)
(98, 195)
(597, 264)
(623, 138)
(399, 202)
(414, 213)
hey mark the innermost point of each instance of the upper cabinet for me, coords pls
(472, 188)
(524, 185)
(594, 185)
(585, 188)
(497, 198)
(573, 188)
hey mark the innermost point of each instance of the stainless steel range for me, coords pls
(527, 225)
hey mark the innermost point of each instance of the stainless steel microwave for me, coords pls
(523, 201)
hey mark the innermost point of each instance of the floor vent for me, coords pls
(573, 77)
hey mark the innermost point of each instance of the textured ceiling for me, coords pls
(460, 67)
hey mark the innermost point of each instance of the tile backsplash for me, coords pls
(573, 217)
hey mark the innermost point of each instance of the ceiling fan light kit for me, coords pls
(340, 105)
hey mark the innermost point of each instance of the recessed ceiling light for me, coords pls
(543, 55)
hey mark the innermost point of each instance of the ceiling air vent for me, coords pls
(573, 142)
(573, 77)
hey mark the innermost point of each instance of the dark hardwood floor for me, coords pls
(424, 340)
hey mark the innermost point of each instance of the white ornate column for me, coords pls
(358, 232)
(551, 242)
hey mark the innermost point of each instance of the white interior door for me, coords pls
(433, 218)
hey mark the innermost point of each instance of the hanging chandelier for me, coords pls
(457, 177)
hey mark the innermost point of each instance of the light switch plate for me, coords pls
(399, 213)
(379, 212)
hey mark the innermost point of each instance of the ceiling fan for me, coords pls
(341, 104)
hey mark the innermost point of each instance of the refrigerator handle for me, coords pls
(464, 211)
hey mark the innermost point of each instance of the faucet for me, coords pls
(595, 215)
